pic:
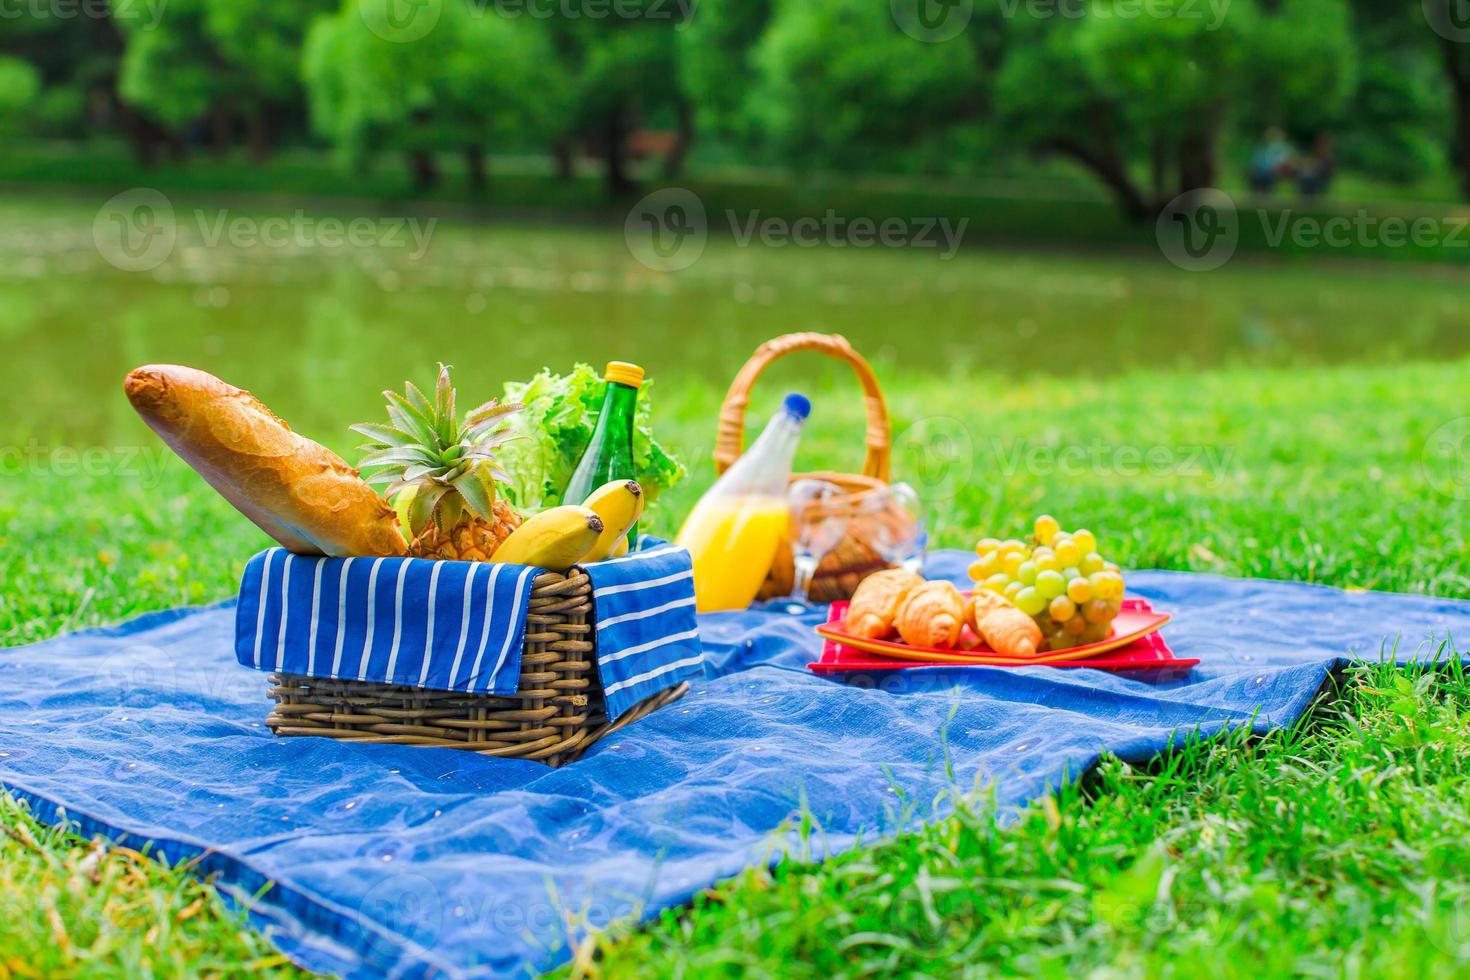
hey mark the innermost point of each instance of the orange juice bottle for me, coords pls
(734, 531)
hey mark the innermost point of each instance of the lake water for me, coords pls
(326, 327)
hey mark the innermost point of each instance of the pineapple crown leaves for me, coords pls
(452, 464)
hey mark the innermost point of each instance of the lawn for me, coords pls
(1331, 849)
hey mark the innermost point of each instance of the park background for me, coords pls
(1038, 219)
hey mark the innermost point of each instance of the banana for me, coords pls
(401, 504)
(554, 539)
(619, 504)
(621, 548)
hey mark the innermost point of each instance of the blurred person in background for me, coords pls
(1314, 174)
(1271, 160)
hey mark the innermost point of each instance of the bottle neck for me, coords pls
(615, 420)
(766, 465)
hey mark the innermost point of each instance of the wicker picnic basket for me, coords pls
(557, 712)
(839, 573)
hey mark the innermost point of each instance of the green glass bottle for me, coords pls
(609, 455)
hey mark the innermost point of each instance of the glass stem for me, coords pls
(806, 569)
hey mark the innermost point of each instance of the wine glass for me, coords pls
(893, 524)
(819, 521)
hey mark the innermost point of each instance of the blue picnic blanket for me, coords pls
(390, 860)
(461, 626)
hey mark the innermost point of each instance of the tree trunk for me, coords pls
(674, 162)
(140, 134)
(1107, 165)
(425, 172)
(258, 133)
(1457, 69)
(1197, 164)
(178, 150)
(220, 135)
(615, 138)
(561, 152)
(475, 168)
(1158, 167)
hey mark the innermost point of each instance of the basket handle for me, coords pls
(729, 444)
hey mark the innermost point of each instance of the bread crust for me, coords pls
(931, 615)
(299, 492)
(875, 603)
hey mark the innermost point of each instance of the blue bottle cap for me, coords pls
(797, 405)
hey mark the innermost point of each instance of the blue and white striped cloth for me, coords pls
(647, 637)
(461, 626)
(446, 625)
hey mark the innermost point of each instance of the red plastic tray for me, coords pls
(1147, 653)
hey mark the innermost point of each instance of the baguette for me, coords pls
(300, 493)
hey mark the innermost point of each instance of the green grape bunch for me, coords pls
(1058, 579)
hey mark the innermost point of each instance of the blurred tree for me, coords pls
(1164, 84)
(217, 60)
(716, 50)
(1396, 124)
(1450, 25)
(620, 59)
(464, 85)
(77, 62)
(20, 84)
(834, 81)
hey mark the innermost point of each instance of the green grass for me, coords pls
(73, 908)
(1334, 849)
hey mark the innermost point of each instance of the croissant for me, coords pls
(931, 615)
(1005, 629)
(875, 602)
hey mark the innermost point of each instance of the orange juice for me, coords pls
(732, 541)
(733, 532)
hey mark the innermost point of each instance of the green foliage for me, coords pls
(715, 49)
(1394, 129)
(1168, 86)
(171, 72)
(1397, 125)
(1164, 75)
(1149, 97)
(20, 84)
(204, 54)
(464, 83)
(264, 38)
(622, 72)
(74, 58)
(837, 77)
(625, 62)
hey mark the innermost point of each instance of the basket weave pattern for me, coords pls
(557, 712)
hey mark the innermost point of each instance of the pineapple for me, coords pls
(447, 466)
